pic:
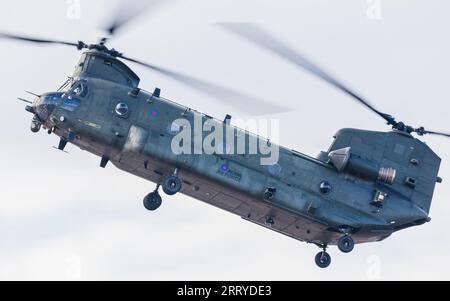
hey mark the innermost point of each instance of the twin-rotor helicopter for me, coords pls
(365, 187)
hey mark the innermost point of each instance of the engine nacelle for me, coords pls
(354, 165)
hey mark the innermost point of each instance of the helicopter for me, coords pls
(365, 187)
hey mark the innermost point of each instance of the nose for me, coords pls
(43, 109)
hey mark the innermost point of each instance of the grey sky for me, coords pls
(62, 217)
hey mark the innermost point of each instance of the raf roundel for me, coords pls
(154, 113)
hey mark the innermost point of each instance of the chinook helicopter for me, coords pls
(365, 187)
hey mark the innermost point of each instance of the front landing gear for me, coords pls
(153, 200)
(323, 259)
(170, 185)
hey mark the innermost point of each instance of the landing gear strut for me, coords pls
(346, 244)
(153, 200)
(323, 259)
(172, 184)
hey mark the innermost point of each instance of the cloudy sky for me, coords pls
(63, 218)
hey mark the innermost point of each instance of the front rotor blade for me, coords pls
(129, 10)
(245, 103)
(36, 40)
(263, 39)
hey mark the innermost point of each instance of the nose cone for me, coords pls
(43, 111)
(43, 108)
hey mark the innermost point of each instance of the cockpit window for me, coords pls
(70, 103)
(69, 95)
(80, 88)
(67, 101)
(53, 98)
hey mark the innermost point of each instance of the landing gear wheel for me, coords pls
(152, 201)
(323, 259)
(171, 185)
(346, 244)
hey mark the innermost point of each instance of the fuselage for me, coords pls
(140, 142)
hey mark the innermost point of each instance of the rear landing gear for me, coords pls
(346, 244)
(172, 184)
(153, 200)
(323, 259)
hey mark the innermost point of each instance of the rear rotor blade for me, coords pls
(245, 103)
(421, 131)
(438, 133)
(263, 39)
(40, 41)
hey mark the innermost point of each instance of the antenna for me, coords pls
(24, 100)
(34, 94)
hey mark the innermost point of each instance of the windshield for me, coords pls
(53, 99)
(65, 100)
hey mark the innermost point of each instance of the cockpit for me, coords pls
(68, 100)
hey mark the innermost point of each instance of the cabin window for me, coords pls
(122, 109)
(325, 187)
